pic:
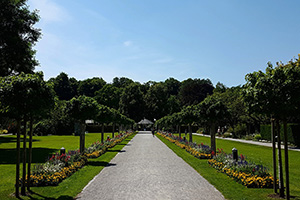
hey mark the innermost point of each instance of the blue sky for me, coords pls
(154, 40)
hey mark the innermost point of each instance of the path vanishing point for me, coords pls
(147, 169)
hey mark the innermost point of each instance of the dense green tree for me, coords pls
(109, 95)
(17, 37)
(233, 99)
(173, 86)
(156, 101)
(220, 88)
(121, 82)
(64, 87)
(89, 86)
(173, 105)
(193, 91)
(25, 97)
(132, 102)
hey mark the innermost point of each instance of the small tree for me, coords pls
(81, 109)
(25, 97)
(275, 93)
(212, 110)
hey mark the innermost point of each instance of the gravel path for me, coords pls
(148, 169)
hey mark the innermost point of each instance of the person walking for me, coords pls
(153, 132)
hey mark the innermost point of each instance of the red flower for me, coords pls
(242, 157)
(201, 143)
(213, 153)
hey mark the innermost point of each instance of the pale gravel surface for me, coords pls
(148, 169)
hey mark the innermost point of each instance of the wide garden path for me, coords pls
(147, 169)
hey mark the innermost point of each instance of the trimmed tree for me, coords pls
(24, 97)
(212, 110)
(81, 109)
(276, 93)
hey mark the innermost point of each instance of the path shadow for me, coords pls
(39, 155)
(119, 151)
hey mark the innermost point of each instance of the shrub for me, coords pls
(257, 137)
(228, 135)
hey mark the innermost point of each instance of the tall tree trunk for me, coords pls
(18, 158)
(213, 137)
(82, 137)
(102, 134)
(113, 131)
(179, 131)
(286, 159)
(23, 186)
(29, 154)
(274, 154)
(190, 133)
(281, 184)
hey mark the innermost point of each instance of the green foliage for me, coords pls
(109, 95)
(121, 82)
(156, 101)
(88, 87)
(17, 37)
(25, 95)
(64, 87)
(193, 91)
(257, 137)
(240, 130)
(132, 102)
(212, 110)
(82, 108)
(292, 133)
(275, 92)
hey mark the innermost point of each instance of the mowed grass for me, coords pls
(229, 188)
(43, 146)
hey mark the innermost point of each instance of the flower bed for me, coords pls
(242, 171)
(59, 167)
(200, 151)
(246, 173)
(97, 148)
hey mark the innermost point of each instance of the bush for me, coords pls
(228, 135)
(257, 137)
(4, 131)
(240, 129)
(248, 137)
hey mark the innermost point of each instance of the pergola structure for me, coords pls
(145, 124)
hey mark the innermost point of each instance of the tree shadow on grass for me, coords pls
(13, 139)
(39, 155)
(100, 163)
(31, 193)
(118, 151)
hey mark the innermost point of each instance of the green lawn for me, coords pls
(43, 146)
(258, 154)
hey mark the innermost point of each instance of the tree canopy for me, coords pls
(17, 37)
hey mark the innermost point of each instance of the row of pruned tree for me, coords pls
(27, 97)
(273, 94)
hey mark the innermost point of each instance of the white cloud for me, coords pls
(128, 43)
(49, 11)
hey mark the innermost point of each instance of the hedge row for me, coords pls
(293, 131)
